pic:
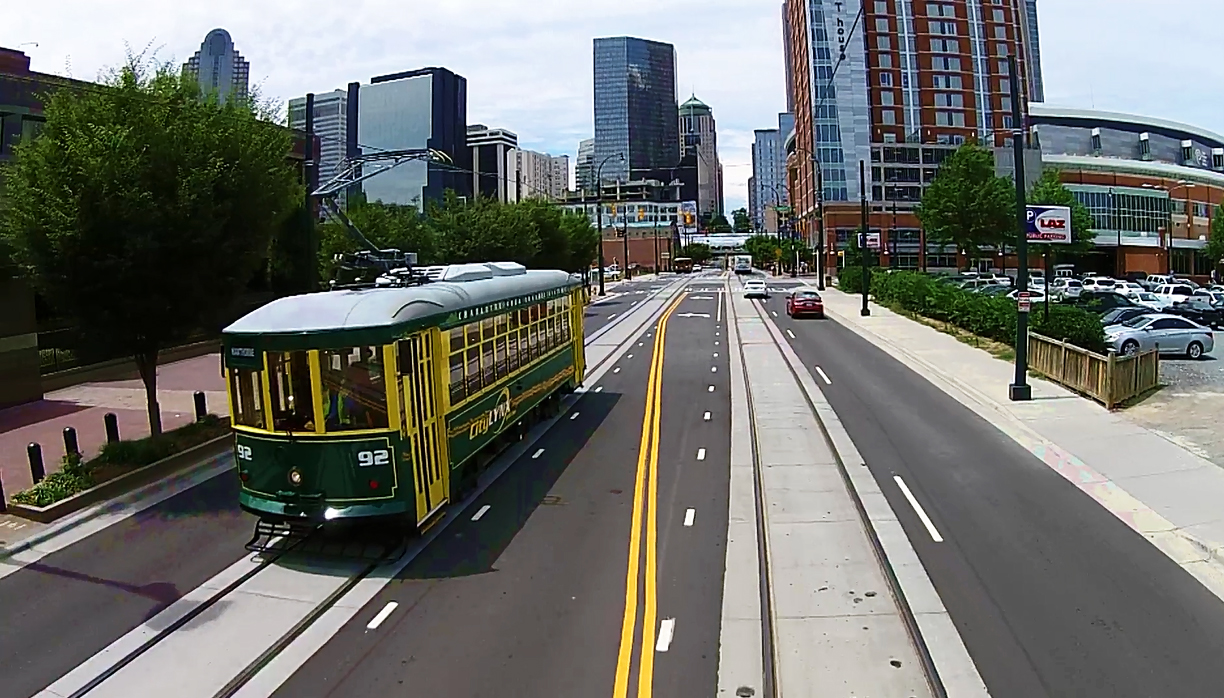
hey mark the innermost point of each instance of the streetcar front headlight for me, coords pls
(295, 476)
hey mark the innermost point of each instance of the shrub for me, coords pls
(992, 317)
(76, 475)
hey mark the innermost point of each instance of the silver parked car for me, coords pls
(1172, 334)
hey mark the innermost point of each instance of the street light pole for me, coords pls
(863, 239)
(599, 215)
(1020, 390)
(820, 231)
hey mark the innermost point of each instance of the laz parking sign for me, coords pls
(1049, 224)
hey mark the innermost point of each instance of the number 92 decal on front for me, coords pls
(366, 459)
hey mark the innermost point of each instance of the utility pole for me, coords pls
(820, 231)
(1020, 390)
(863, 240)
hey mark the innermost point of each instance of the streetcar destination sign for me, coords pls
(1049, 224)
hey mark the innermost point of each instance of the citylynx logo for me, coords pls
(242, 352)
(495, 419)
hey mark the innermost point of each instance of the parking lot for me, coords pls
(1189, 408)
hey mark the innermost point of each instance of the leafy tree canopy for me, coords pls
(1049, 190)
(699, 252)
(533, 232)
(718, 224)
(741, 221)
(968, 204)
(143, 209)
(1215, 241)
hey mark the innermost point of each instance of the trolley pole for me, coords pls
(599, 215)
(1020, 390)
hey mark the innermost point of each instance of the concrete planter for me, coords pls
(124, 483)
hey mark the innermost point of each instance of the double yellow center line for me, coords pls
(645, 496)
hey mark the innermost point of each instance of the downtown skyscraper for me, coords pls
(635, 107)
(219, 68)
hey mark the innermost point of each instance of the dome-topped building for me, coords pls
(219, 67)
(698, 130)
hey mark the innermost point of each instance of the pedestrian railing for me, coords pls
(1110, 380)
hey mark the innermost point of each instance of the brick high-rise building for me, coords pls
(898, 87)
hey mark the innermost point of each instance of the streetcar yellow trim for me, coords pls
(316, 388)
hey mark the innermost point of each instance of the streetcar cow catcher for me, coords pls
(385, 401)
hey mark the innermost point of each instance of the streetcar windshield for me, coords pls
(291, 391)
(247, 408)
(354, 389)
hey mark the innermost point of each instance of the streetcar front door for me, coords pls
(423, 425)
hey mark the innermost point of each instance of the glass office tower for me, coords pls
(635, 106)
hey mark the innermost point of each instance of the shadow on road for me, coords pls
(467, 549)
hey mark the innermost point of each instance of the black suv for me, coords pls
(1102, 301)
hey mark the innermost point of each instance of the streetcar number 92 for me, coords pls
(366, 459)
(244, 452)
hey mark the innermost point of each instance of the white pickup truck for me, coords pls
(1168, 294)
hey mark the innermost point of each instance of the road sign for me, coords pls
(784, 209)
(1025, 302)
(1049, 224)
(872, 241)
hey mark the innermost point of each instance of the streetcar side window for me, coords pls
(247, 408)
(291, 390)
(354, 383)
(486, 351)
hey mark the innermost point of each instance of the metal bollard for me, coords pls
(112, 427)
(37, 471)
(70, 441)
(201, 407)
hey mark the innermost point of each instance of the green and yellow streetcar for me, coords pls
(386, 400)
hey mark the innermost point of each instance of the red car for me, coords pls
(804, 301)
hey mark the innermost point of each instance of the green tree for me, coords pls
(143, 209)
(291, 260)
(718, 224)
(1215, 240)
(699, 252)
(583, 241)
(763, 248)
(968, 204)
(1049, 190)
(741, 221)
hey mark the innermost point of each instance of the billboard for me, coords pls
(1049, 224)
(688, 218)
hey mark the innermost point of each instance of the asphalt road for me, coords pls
(629, 295)
(63, 609)
(1052, 594)
(529, 599)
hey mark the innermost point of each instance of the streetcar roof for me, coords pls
(369, 315)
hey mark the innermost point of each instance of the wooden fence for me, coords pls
(1111, 380)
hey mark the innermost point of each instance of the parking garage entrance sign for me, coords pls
(1049, 224)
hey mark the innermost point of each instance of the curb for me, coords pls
(105, 507)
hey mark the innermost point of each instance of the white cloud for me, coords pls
(528, 62)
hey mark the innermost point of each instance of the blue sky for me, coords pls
(528, 63)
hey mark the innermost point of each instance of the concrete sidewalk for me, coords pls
(836, 627)
(84, 406)
(1160, 489)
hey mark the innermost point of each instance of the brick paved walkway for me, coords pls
(83, 407)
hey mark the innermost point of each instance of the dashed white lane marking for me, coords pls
(716, 355)
(483, 510)
(790, 334)
(666, 629)
(713, 369)
(616, 370)
(612, 316)
(926, 520)
(775, 313)
(707, 416)
(711, 388)
(701, 454)
(537, 454)
(599, 389)
(689, 516)
(715, 343)
(391, 606)
(824, 376)
(718, 334)
(631, 356)
(574, 416)
(640, 344)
